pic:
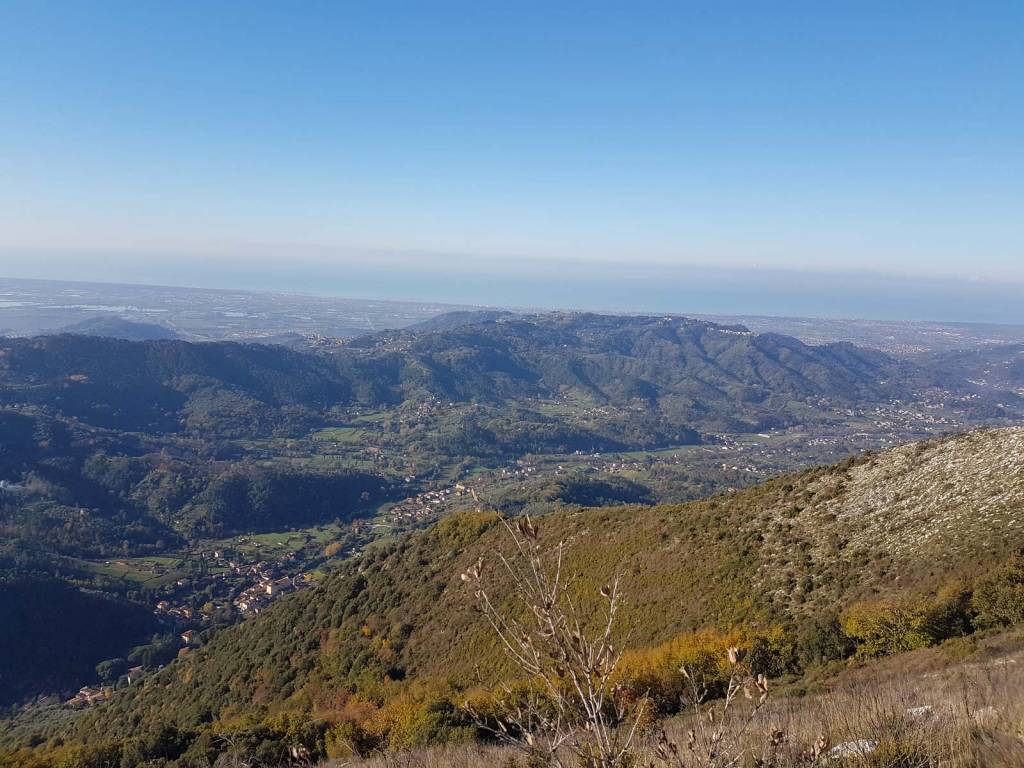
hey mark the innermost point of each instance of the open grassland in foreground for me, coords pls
(960, 705)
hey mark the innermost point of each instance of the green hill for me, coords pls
(694, 375)
(789, 553)
(113, 449)
(156, 439)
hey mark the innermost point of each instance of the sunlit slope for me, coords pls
(791, 549)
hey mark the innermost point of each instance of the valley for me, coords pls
(504, 385)
(206, 486)
(791, 564)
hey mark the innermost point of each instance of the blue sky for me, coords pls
(452, 136)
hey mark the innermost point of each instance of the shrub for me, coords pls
(434, 719)
(772, 654)
(655, 672)
(951, 613)
(998, 599)
(101, 755)
(349, 739)
(883, 628)
(821, 639)
(299, 730)
(334, 548)
(166, 742)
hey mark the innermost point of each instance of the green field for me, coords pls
(346, 435)
(276, 544)
(157, 571)
(151, 571)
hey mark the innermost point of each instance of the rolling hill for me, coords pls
(154, 436)
(116, 449)
(682, 365)
(993, 367)
(691, 374)
(791, 553)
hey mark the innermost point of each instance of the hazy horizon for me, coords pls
(684, 289)
(427, 146)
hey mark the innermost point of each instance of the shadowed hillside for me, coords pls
(52, 635)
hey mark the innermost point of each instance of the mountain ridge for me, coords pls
(693, 374)
(113, 449)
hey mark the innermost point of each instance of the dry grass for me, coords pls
(949, 501)
(964, 715)
(469, 756)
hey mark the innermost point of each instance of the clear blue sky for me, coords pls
(838, 135)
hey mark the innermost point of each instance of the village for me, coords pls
(426, 504)
(236, 579)
(216, 586)
(233, 585)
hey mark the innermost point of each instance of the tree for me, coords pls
(111, 669)
(570, 706)
(999, 597)
(884, 627)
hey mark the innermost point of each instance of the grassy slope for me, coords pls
(959, 704)
(824, 537)
(904, 518)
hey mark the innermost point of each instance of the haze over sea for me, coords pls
(564, 284)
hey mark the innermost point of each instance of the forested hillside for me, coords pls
(397, 629)
(700, 375)
(115, 446)
(125, 464)
(52, 634)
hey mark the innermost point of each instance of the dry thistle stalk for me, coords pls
(572, 711)
(717, 738)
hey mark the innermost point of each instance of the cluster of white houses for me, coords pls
(89, 694)
(424, 504)
(254, 599)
